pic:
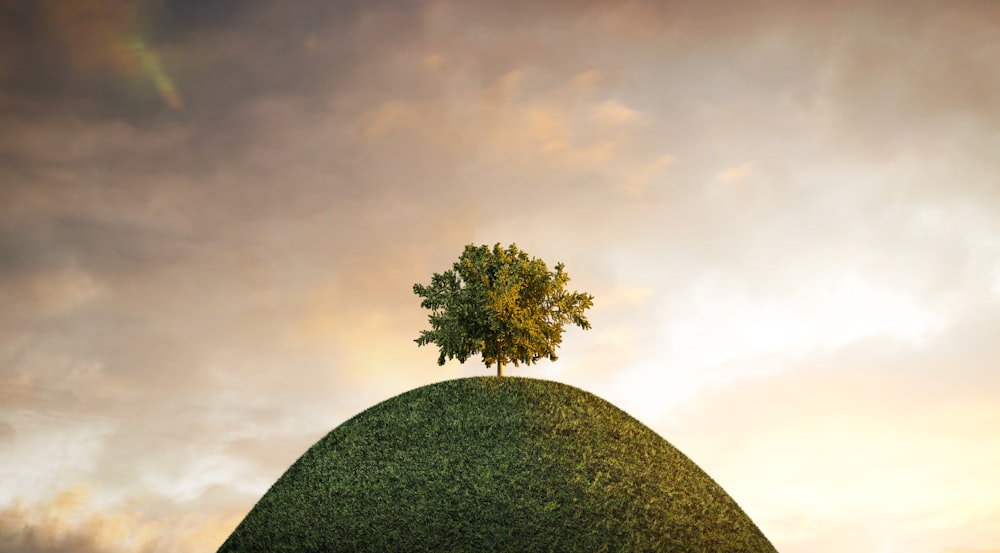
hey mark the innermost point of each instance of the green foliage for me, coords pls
(495, 465)
(501, 303)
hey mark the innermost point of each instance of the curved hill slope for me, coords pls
(493, 465)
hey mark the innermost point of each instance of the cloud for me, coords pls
(389, 116)
(925, 72)
(547, 126)
(613, 113)
(876, 435)
(17, 390)
(50, 451)
(626, 295)
(638, 181)
(62, 290)
(53, 142)
(72, 522)
(7, 432)
(735, 173)
(90, 47)
(117, 61)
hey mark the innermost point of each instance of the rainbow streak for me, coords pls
(151, 65)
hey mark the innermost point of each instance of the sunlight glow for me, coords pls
(724, 325)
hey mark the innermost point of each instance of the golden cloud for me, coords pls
(388, 117)
(637, 182)
(614, 113)
(73, 520)
(735, 173)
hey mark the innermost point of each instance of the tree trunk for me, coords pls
(499, 359)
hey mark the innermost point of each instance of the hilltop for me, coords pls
(494, 465)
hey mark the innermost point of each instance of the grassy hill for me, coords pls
(493, 465)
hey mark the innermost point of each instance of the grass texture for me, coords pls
(492, 464)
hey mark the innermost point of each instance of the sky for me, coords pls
(212, 215)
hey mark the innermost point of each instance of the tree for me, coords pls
(501, 303)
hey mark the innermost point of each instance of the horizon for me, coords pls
(212, 217)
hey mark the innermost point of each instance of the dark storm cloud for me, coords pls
(102, 197)
(166, 225)
(64, 57)
(222, 53)
(23, 40)
(81, 59)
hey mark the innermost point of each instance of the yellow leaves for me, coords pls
(513, 307)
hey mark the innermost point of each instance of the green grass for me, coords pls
(492, 465)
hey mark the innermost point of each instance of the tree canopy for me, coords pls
(501, 303)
